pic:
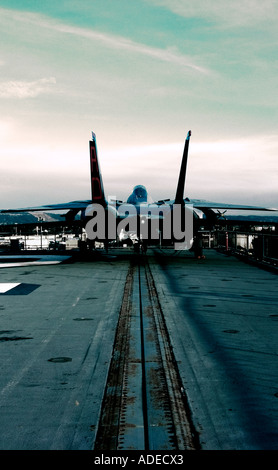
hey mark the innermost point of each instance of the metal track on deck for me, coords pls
(144, 407)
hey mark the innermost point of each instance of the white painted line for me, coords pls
(6, 286)
(25, 260)
(76, 302)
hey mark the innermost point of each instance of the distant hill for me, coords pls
(254, 218)
(28, 218)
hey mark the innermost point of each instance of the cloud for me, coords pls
(231, 168)
(239, 170)
(238, 12)
(111, 41)
(24, 89)
(6, 128)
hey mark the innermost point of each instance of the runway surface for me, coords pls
(184, 351)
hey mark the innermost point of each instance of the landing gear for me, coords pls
(140, 245)
(198, 247)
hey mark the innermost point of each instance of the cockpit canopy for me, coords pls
(138, 195)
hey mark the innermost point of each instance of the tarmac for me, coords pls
(58, 324)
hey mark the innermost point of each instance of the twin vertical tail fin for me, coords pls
(96, 178)
(181, 183)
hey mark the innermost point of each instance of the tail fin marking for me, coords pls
(96, 178)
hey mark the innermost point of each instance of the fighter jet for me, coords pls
(105, 220)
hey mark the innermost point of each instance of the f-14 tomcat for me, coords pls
(164, 220)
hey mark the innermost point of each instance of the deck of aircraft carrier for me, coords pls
(130, 351)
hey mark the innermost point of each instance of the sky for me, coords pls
(139, 75)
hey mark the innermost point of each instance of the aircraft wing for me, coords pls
(201, 204)
(74, 205)
(196, 203)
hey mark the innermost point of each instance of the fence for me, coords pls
(261, 246)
